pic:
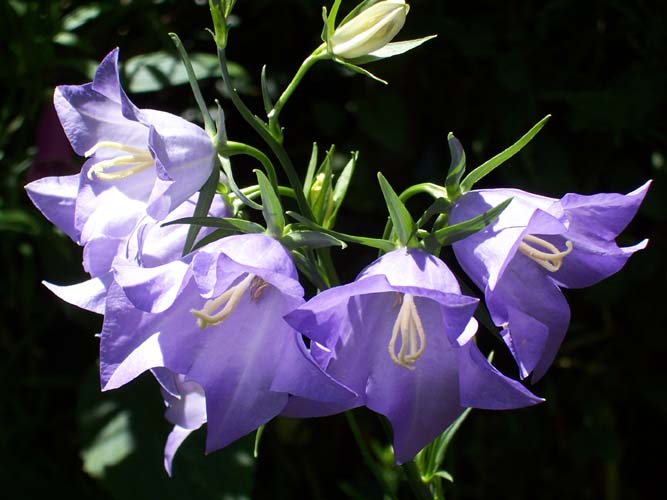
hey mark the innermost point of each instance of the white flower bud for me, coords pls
(369, 30)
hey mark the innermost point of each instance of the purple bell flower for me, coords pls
(140, 162)
(534, 248)
(215, 318)
(400, 337)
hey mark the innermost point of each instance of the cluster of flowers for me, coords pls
(223, 328)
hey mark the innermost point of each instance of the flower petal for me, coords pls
(55, 197)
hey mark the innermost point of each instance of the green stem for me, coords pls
(419, 488)
(253, 192)
(274, 114)
(231, 148)
(263, 131)
(365, 453)
(426, 187)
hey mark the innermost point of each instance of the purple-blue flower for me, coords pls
(400, 337)
(215, 318)
(140, 162)
(534, 248)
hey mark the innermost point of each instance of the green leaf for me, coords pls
(340, 189)
(361, 71)
(216, 235)
(258, 437)
(457, 167)
(272, 209)
(445, 475)
(311, 239)
(80, 16)
(229, 223)
(392, 49)
(227, 169)
(380, 244)
(439, 206)
(157, 70)
(206, 195)
(310, 172)
(266, 96)
(444, 441)
(490, 165)
(456, 232)
(331, 19)
(400, 217)
(321, 199)
(310, 270)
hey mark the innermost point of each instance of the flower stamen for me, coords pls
(257, 288)
(552, 260)
(409, 326)
(136, 161)
(227, 303)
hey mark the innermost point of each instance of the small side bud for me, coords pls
(370, 30)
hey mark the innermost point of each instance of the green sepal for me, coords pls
(380, 244)
(266, 96)
(439, 206)
(321, 200)
(206, 195)
(456, 232)
(360, 70)
(310, 172)
(331, 19)
(310, 270)
(227, 168)
(457, 167)
(487, 167)
(258, 437)
(311, 239)
(401, 219)
(219, 17)
(391, 50)
(340, 190)
(272, 209)
(232, 224)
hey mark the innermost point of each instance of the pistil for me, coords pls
(225, 303)
(136, 161)
(408, 326)
(552, 259)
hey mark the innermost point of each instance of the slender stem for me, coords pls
(253, 192)
(264, 132)
(274, 126)
(420, 489)
(365, 453)
(231, 148)
(426, 187)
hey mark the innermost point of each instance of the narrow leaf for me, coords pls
(266, 96)
(230, 223)
(444, 441)
(384, 245)
(227, 168)
(204, 202)
(457, 166)
(456, 232)
(272, 209)
(439, 206)
(216, 235)
(311, 239)
(362, 71)
(342, 184)
(258, 437)
(490, 165)
(400, 217)
(310, 173)
(310, 270)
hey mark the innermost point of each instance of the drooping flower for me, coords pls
(370, 30)
(534, 248)
(140, 161)
(215, 317)
(400, 337)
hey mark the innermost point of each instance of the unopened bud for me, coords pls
(369, 30)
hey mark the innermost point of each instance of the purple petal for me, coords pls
(174, 441)
(55, 197)
(89, 295)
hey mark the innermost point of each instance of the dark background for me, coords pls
(496, 68)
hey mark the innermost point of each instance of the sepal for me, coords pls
(404, 226)
(271, 206)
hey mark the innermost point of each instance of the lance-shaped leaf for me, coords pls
(486, 168)
(457, 167)
(311, 239)
(384, 245)
(340, 190)
(229, 223)
(439, 206)
(271, 207)
(404, 226)
(202, 208)
(456, 232)
(227, 168)
(266, 95)
(310, 172)
(360, 70)
(310, 270)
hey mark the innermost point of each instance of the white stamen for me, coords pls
(552, 260)
(137, 161)
(413, 340)
(228, 301)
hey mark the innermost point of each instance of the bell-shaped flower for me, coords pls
(400, 337)
(140, 161)
(534, 248)
(215, 317)
(370, 30)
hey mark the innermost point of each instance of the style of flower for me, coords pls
(215, 318)
(140, 161)
(537, 246)
(400, 337)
